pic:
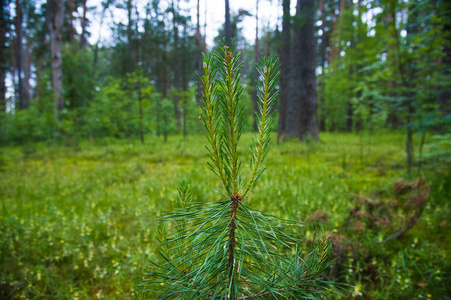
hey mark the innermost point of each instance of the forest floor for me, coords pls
(78, 222)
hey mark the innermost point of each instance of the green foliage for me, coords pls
(78, 77)
(227, 249)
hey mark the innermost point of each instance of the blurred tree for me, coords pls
(54, 21)
(284, 54)
(4, 32)
(301, 117)
(21, 103)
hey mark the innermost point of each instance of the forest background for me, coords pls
(364, 84)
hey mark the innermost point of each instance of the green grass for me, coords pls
(79, 222)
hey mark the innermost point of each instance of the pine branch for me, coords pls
(229, 94)
(266, 95)
(211, 116)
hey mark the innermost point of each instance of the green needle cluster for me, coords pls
(226, 249)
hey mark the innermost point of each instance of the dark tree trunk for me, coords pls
(322, 53)
(71, 22)
(185, 80)
(164, 79)
(256, 56)
(3, 62)
(444, 100)
(303, 100)
(177, 79)
(26, 58)
(130, 65)
(18, 52)
(55, 16)
(198, 52)
(284, 53)
(227, 29)
(83, 39)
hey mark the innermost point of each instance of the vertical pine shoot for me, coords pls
(226, 249)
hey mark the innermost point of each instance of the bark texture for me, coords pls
(284, 54)
(55, 16)
(301, 119)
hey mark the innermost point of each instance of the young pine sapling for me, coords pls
(226, 249)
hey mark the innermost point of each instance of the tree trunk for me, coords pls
(256, 56)
(177, 79)
(141, 125)
(18, 52)
(185, 80)
(444, 100)
(198, 52)
(130, 65)
(322, 53)
(71, 22)
(83, 39)
(304, 63)
(55, 26)
(284, 53)
(26, 59)
(3, 62)
(227, 29)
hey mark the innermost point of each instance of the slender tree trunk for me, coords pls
(198, 52)
(322, 52)
(55, 26)
(71, 22)
(256, 56)
(3, 62)
(138, 83)
(141, 125)
(227, 29)
(185, 80)
(83, 39)
(164, 73)
(444, 100)
(284, 53)
(19, 51)
(176, 53)
(26, 59)
(409, 140)
(130, 64)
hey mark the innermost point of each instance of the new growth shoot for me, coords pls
(226, 249)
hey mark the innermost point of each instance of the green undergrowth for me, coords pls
(78, 221)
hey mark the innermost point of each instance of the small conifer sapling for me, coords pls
(226, 249)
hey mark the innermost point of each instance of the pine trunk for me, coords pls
(304, 87)
(284, 53)
(83, 39)
(18, 52)
(3, 62)
(55, 26)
